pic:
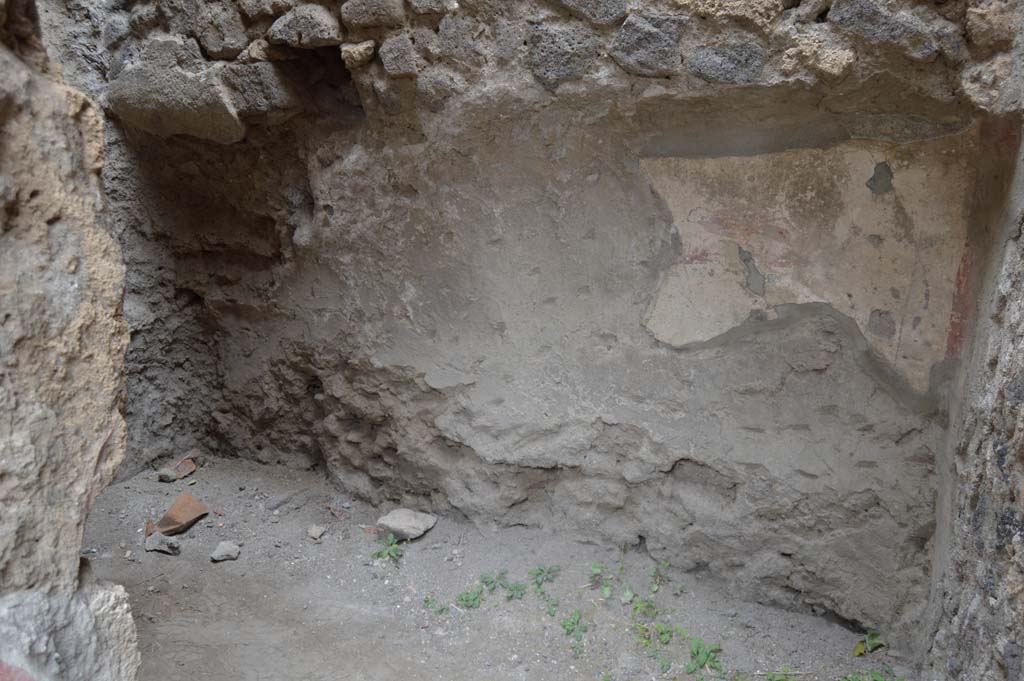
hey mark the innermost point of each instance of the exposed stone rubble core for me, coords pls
(980, 562)
(62, 343)
(484, 256)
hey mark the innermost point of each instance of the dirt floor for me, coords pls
(293, 609)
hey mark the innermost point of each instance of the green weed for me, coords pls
(471, 599)
(599, 580)
(492, 582)
(432, 604)
(659, 576)
(644, 608)
(703, 656)
(887, 675)
(574, 626)
(871, 642)
(390, 550)
(514, 591)
(544, 573)
(784, 674)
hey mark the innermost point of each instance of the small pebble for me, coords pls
(225, 551)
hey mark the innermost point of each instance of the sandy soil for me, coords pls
(293, 609)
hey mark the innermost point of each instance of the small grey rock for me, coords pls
(648, 45)
(306, 26)
(163, 544)
(225, 550)
(600, 12)
(398, 55)
(315, 532)
(407, 524)
(367, 13)
(561, 52)
(166, 474)
(739, 62)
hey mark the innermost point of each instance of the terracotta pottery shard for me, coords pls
(150, 527)
(182, 514)
(185, 467)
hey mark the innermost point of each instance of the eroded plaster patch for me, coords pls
(817, 225)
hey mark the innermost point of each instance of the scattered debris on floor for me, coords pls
(407, 524)
(162, 544)
(183, 514)
(179, 470)
(226, 550)
(450, 608)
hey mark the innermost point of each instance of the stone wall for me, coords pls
(62, 341)
(695, 276)
(979, 594)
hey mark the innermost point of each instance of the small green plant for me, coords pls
(544, 573)
(887, 675)
(574, 626)
(600, 580)
(664, 633)
(659, 576)
(871, 642)
(664, 662)
(703, 656)
(514, 591)
(492, 582)
(471, 599)
(627, 596)
(550, 603)
(432, 604)
(389, 550)
(644, 608)
(647, 634)
(784, 674)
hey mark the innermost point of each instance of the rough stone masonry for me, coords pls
(62, 343)
(733, 281)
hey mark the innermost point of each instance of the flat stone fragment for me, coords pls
(561, 52)
(407, 524)
(600, 12)
(398, 55)
(367, 13)
(225, 550)
(648, 46)
(306, 27)
(163, 544)
(356, 55)
(315, 532)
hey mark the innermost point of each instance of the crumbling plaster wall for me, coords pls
(978, 597)
(62, 341)
(448, 265)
